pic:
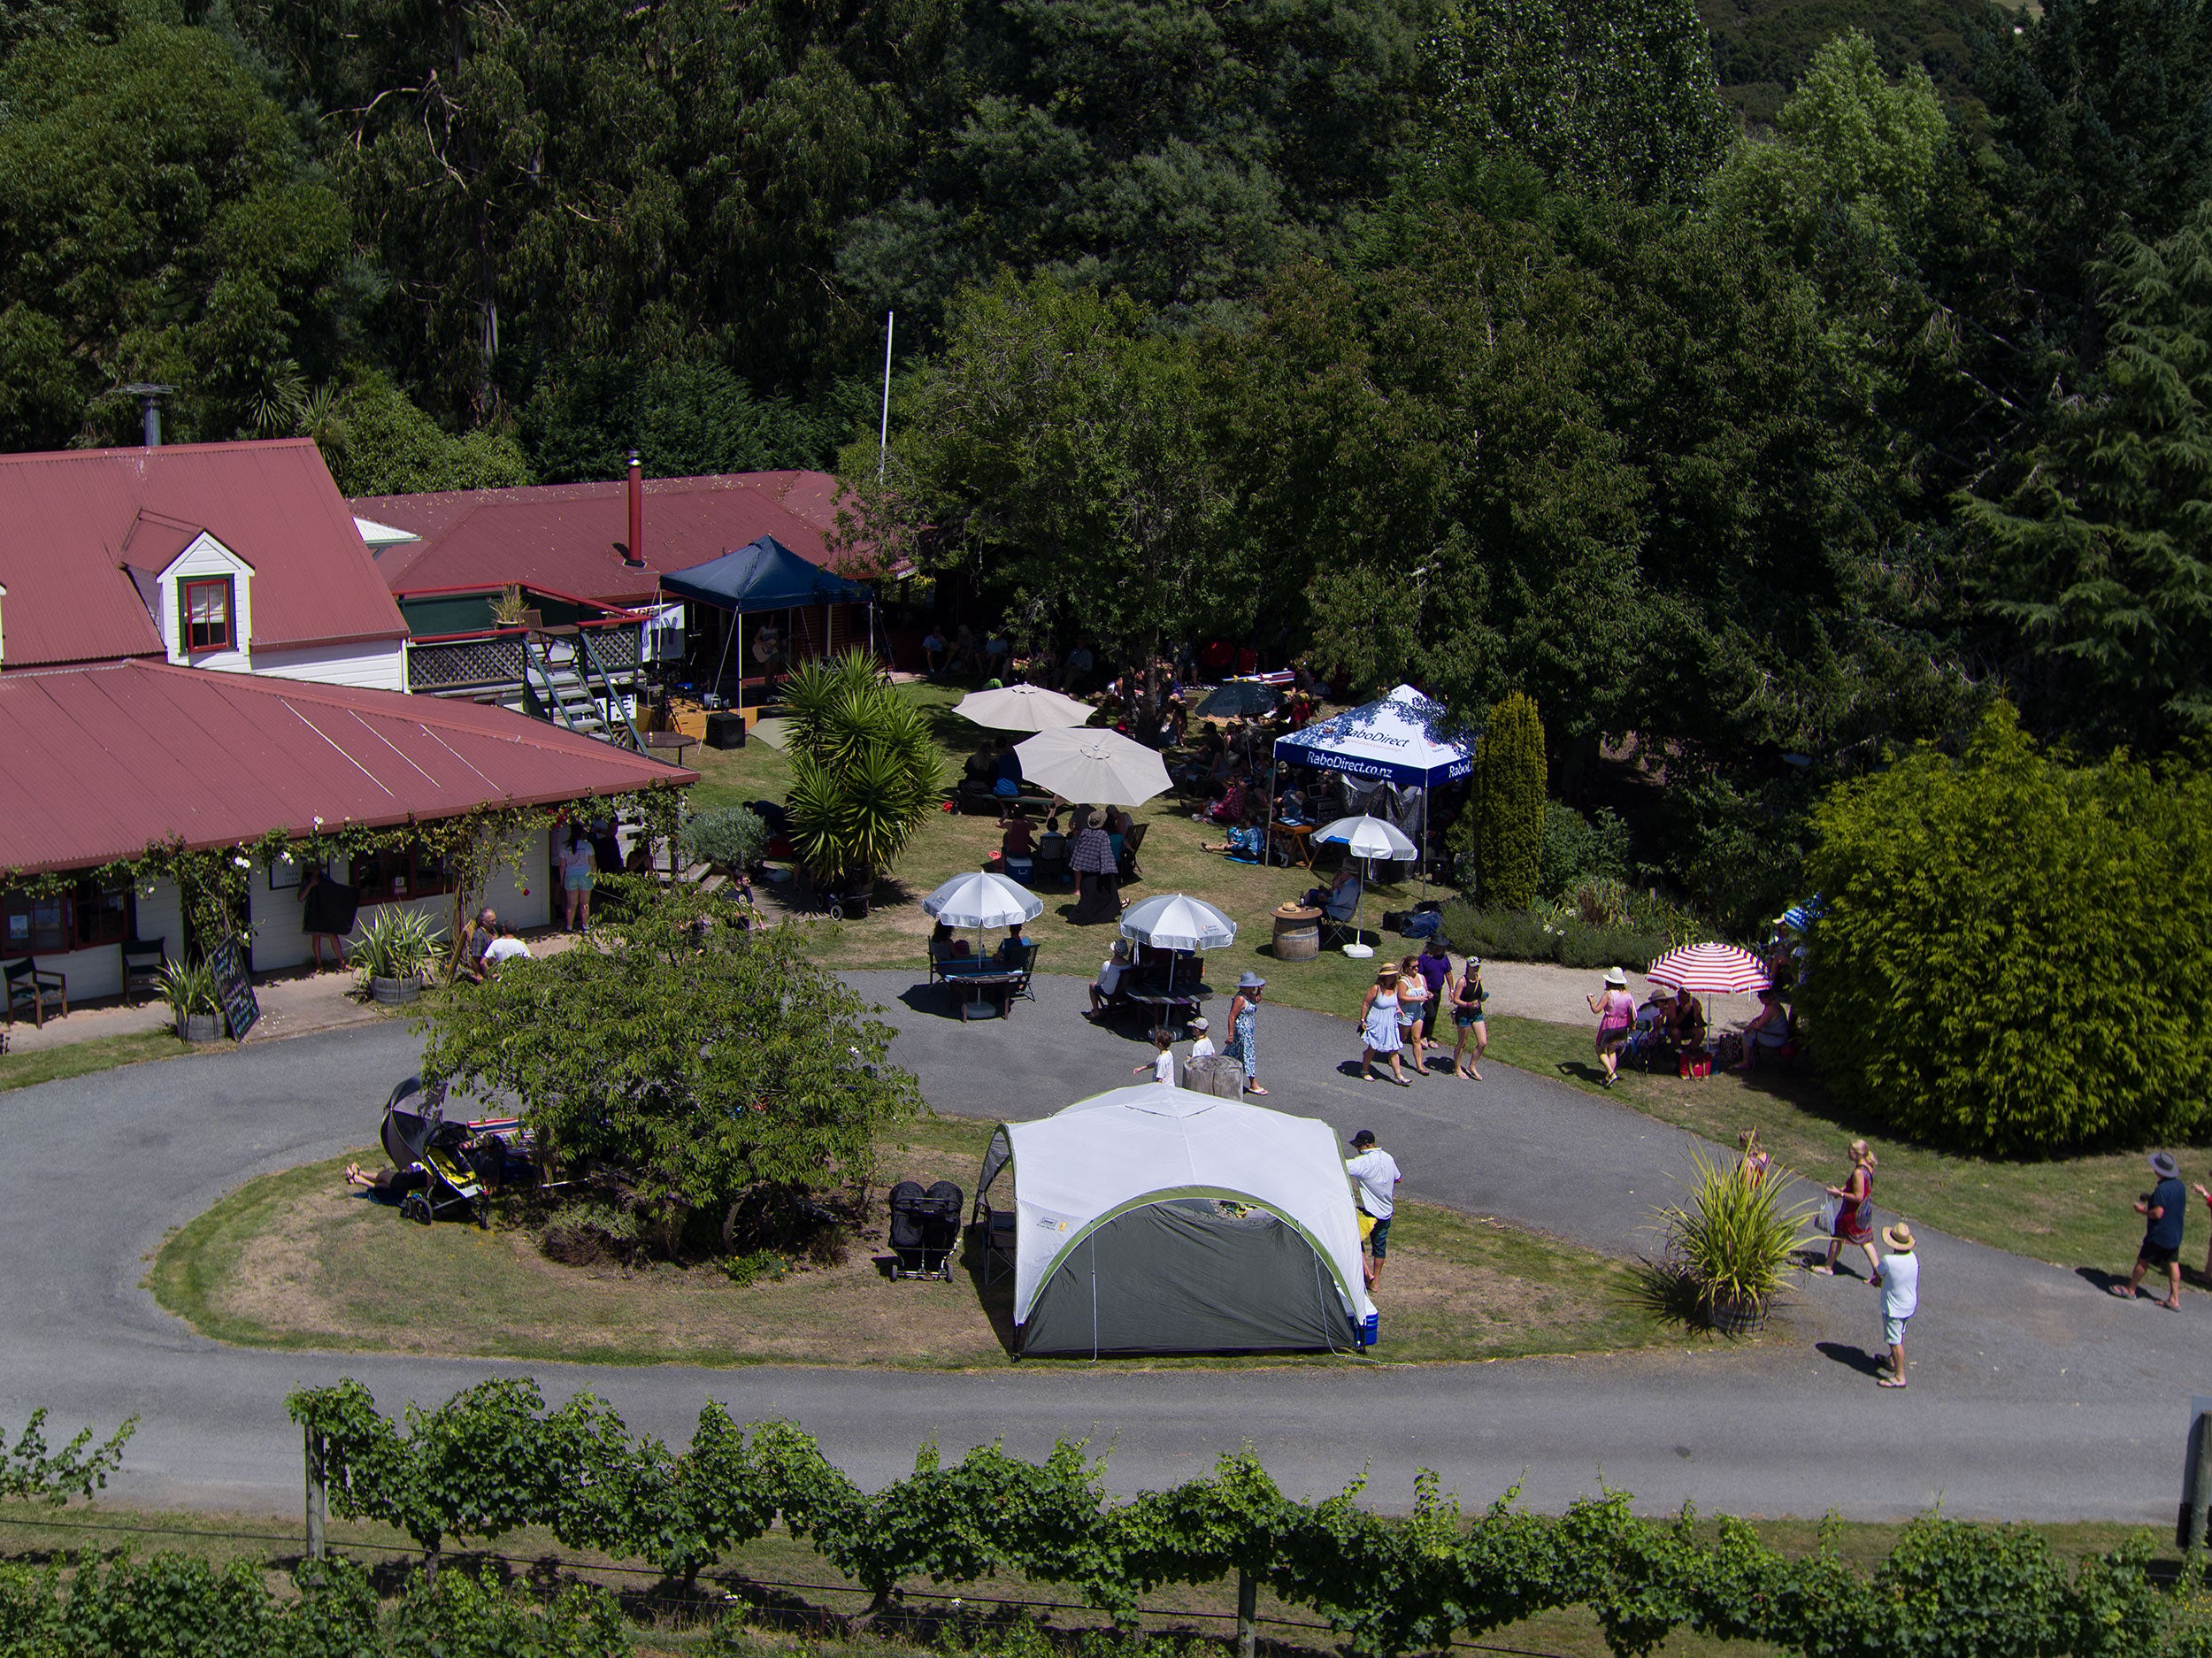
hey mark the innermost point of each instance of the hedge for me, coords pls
(492, 1460)
(2017, 950)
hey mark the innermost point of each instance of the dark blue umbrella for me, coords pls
(1240, 699)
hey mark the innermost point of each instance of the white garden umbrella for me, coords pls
(1095, 764)
(1711, 969)
(979, 900)
(1176, 921)
(1365, 838)
(1023, 707)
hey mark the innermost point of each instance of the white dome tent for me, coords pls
(1156, 1220)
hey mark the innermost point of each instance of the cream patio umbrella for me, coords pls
(1093, 764)
(1023, 707)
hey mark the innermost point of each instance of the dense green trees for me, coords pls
(159, 222)
(2015, 947)
(1456, 341)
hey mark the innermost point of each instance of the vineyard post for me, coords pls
(318, 1493)
(1247, 1610)
(2193, 1520)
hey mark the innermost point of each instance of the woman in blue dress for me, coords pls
(1378, 1028)
(1243, 1045)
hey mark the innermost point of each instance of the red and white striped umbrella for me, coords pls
(1711, 969)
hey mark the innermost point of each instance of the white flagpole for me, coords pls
(883, 434)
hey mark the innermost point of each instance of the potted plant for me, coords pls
(394, 948)
(189, 990)
(1730, 1247)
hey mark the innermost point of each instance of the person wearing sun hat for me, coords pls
(1900, 1298)
(1617, 1017)
(1243, 1046)
(2164, 1208)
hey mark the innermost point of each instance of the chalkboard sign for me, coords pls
(234, 988)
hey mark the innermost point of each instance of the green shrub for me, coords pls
(1507, 808)
(1736, 853)
(1577, 848)
(2016, 950)
(1505, 935)
(730, 836)
(1623, 946)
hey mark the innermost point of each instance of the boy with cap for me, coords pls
(2163, 1207)
(1900, 1298)
(1202, 1046)
(1375, 1175)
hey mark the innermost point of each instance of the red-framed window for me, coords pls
(93, 913)
(206, 603)
(29, 923)
(383, 877)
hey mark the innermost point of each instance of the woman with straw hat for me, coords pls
(1379, 1031)
(1617, 1017)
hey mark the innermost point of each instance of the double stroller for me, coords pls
(445, 1166)
(924, 1230)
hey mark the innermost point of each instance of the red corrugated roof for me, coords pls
(562, 538)
(98, 762)
(66, 517)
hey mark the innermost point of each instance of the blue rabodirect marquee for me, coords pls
(1405, 738)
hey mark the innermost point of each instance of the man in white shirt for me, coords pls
(1900, 1297)
(1375, 1178)
(1108, 979)
(502, 950)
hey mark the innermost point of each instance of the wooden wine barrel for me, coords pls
(1297, 933)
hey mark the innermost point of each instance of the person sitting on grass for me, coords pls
(1686, 1023)
(1769, 1034)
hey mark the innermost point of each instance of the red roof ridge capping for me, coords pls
(105, 760)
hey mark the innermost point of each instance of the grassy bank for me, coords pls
(297, 1260)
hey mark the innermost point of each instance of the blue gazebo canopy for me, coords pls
(765, 576)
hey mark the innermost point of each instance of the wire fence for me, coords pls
(560, 1561)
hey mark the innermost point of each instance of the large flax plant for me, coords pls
(1731, 1243)
(865, 771)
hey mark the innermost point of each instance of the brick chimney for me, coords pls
(634, 552)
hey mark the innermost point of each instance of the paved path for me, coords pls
(2034, 1394)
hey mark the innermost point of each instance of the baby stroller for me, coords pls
(458, 1161)
(925, 1229)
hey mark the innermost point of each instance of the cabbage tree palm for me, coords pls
(864, 770)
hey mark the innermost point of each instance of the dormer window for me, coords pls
(207, 605)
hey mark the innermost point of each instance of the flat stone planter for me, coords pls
(201, 1027)
(1730, 1317)
(394, 992)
